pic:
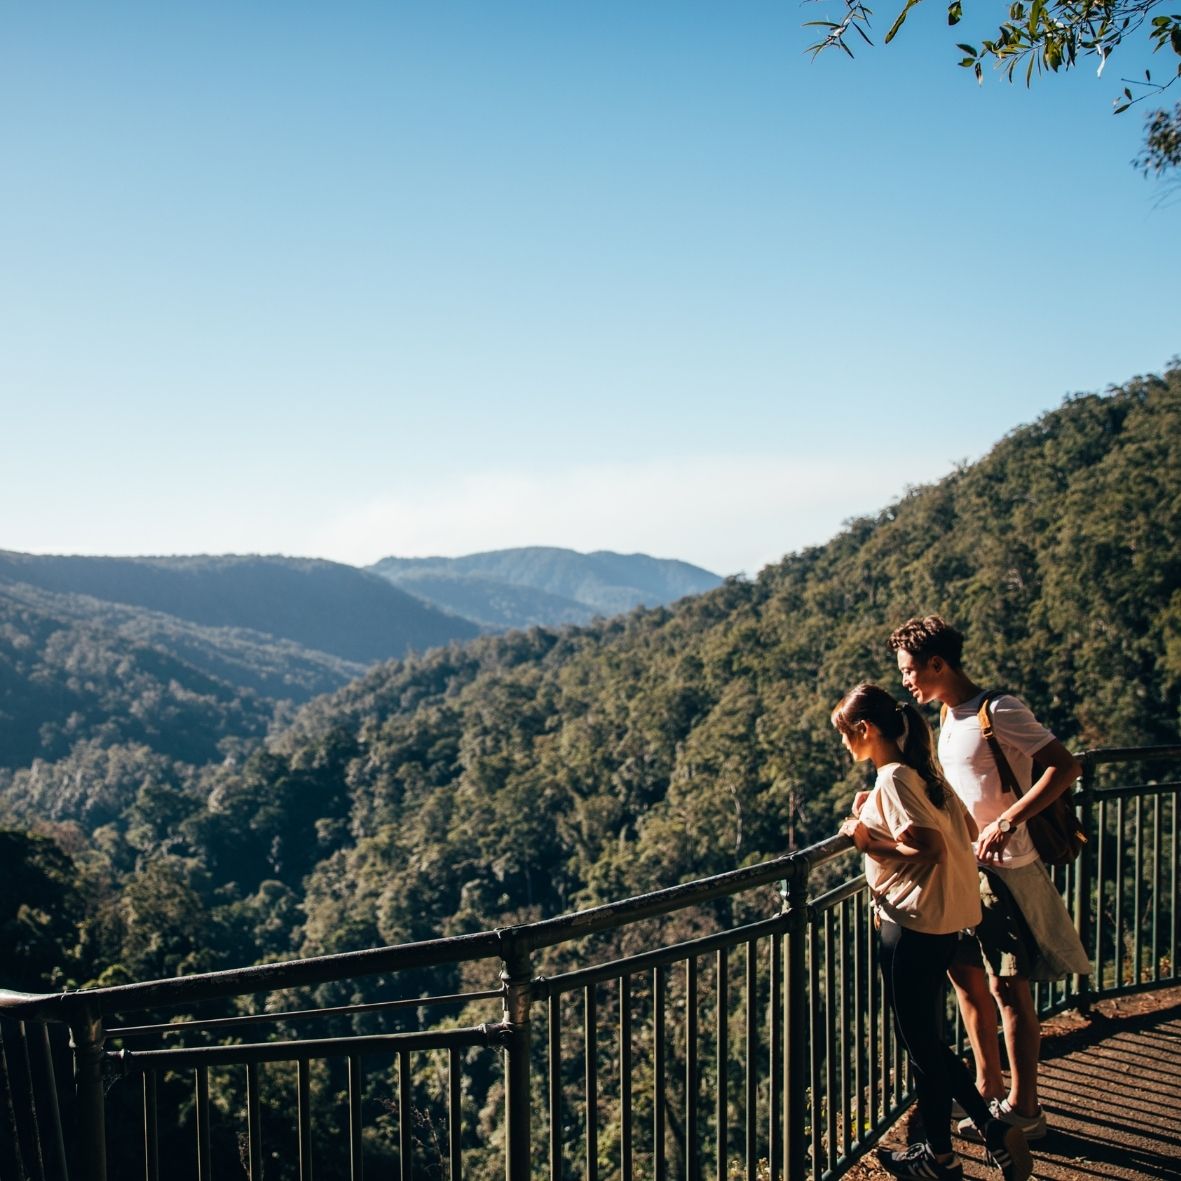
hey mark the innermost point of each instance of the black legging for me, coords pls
(914, 973)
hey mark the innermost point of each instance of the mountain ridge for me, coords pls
(530, 585)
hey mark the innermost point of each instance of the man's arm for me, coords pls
(1062, 769)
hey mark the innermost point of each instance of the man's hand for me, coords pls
(992, 842)
(859, 802)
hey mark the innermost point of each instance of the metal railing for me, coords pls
(727, 1028)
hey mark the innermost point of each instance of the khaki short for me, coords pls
(1004, 944)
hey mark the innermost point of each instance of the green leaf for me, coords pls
(955, 12)
(899, 20)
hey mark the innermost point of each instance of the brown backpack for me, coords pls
(1055, 831)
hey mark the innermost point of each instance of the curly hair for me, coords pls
(927, 637)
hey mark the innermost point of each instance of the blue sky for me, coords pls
(362, 279)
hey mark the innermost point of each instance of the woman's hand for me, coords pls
(859, 802)
(852, 827)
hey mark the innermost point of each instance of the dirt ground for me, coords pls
(1111, 1088)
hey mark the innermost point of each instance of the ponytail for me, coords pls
(901, 723)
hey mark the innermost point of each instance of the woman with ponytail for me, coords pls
(921, 869)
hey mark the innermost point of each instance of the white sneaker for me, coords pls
(1034, 1126)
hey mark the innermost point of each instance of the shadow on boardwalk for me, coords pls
(1111, 1087)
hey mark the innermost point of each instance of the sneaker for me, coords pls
(1008, 1150)
(1033, 1126)
(919, 1162)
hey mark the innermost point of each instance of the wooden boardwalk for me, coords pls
(1111, 1087)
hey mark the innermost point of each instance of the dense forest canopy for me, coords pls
(515, 776)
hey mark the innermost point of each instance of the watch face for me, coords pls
(1005, 825)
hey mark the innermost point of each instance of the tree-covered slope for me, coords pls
(526, 774)
(481, 783)
(65, 679)
(324, 606)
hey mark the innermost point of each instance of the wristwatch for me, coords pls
(1005, 825)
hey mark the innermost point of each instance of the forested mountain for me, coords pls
(545, 585)
(324, 606)
(490, 782)
(512, 776)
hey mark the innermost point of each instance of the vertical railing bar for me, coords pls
(356, 1150)
(516, 1007)
(31, 1115)
(872, 1005)
(405, 1118)
(32, 1120)
(1084, 877)
(55, 1116)
(87, 1037)
(722, 1044)
(204, 1164)
(454, 1115)
(151, 1128)
(830, 1079)
(625, 1078)
(775, 1051)
(303, 1117)
(1100, 891)
(859, 1012)
(1175, 910)
(843, 1055)
(751, 1113)
(253, 1122)
(6, 1030)
(1138, 896)
(817, 1043)
(901, 1069)
(1121, 823)
(658, 1066)
(796, 1048)
(1154, 902)
(590, 1028)
(554, 1065)
(692, 1163)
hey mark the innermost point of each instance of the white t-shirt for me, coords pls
(971, 769)
(937, 899)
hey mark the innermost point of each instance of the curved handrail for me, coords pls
(505, 943)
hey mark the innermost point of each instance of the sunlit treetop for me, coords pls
(1038, 36)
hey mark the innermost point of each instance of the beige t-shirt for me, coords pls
(934, 898)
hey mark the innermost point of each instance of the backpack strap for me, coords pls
(988, 733)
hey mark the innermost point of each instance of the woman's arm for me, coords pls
(924, 845)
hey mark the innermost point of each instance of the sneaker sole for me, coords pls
(969, 1131)
(1020, 1163)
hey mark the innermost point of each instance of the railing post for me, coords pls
(795, 1099)
(87, 1037)
(1083, 873)
(517, 979)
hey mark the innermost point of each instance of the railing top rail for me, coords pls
(547, 932)
(180, 990)
(1129, 754)
(505, 943)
